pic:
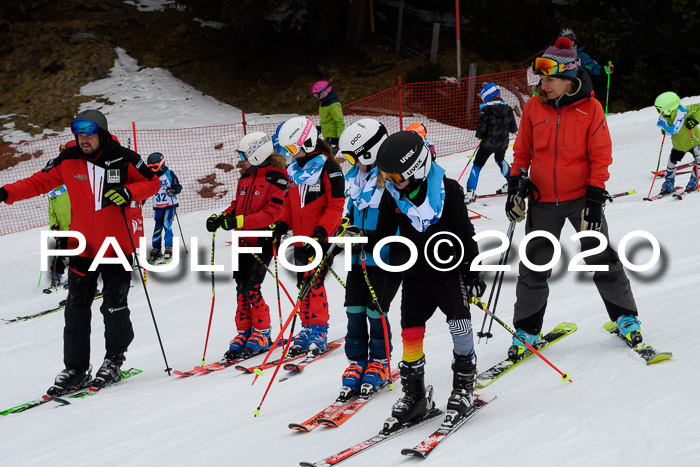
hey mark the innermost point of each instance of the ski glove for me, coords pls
(690, 123)
(119, 195)
(609, 68)
(279, 228)
(592, 214)
(3, 194)
(170, 191)
(214, 222)
(320, 235)
(473, 280)
(515, 212)
(54, 227)
(229, 222)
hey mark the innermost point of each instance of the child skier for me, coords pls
(421, 130)
(679, 122)
(331, 112)
(313, 207)
(260, 194)
(496, 121)
(164, 206)
(429, 203)
(367, 205)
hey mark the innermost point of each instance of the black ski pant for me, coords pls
(82, 285)
(532, 290)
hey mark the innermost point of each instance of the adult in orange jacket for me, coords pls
(564, 143)
(260, 194)
(102, 178)
(313, 207)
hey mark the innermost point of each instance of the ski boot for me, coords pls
(692, 183)
(110, 371)
(464, 375)
(68, 380)
(237, 345)
(300, 343)
(352, 376)
(376, 374)
(168, 254)
(503, 190)
(668, 186)
(416, 401)
(469, 197)
(155, 256)
(515, 352)
(628, 325)
(258, 342)
(318, 339)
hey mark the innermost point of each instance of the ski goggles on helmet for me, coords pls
(355, 155)
(293, 149)
(83, 127)
(241, 154)
(548, 67)
(157, 165)
(667, 109)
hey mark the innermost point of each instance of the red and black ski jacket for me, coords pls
(260, 194)
(87, 179)
(319, 205)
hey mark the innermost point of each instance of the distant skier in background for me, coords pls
(368, 204)
(164, 205)
(421, 130)
(681, 123)
(313, 207)
(259, 196)
(496, 122)
(427, 203)
(331, 112)
(565, 144)
(587, 62)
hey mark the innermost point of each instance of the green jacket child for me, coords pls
(330, 111)
(681, 123)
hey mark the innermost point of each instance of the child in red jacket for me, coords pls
(258, 203)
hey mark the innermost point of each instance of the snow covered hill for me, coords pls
(618, 411)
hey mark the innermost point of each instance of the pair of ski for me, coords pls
(91, 388)
(61, 306)
(345, 406)
(647, 352)
(451, 422)
(222, 364)
(664, 194)
(679, 170)
(683, 194)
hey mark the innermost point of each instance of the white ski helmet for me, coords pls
(361, 140)
(255, 147)
(296, 134)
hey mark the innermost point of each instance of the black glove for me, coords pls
(231, 222)
(592, 214)
(3, 194)
(473, 280)
(320, 235)
(54, 227)
(515, 212)
(279, 228)
(214, 222)
(119, 195)
(170, 191)
(690, 123)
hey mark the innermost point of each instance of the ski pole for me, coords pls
(277, 281)
(658, 164)
(498, 278)
(564, 376)
(607, 91)
(382, 315)
(273, 274)
(148, 299)
(480, 215)
(179, 226)
(340, 281)
(469, 161)
(213, 297)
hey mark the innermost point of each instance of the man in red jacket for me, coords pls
(102, 178)
(260, 194)
(564, 143)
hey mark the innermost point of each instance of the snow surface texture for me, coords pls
(618, 411)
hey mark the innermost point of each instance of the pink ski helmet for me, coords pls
(321, 89)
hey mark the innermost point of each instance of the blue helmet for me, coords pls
(155, 161)
(489, 91)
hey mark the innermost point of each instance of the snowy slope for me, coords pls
(617, 412)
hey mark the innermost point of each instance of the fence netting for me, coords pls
(204, 158)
